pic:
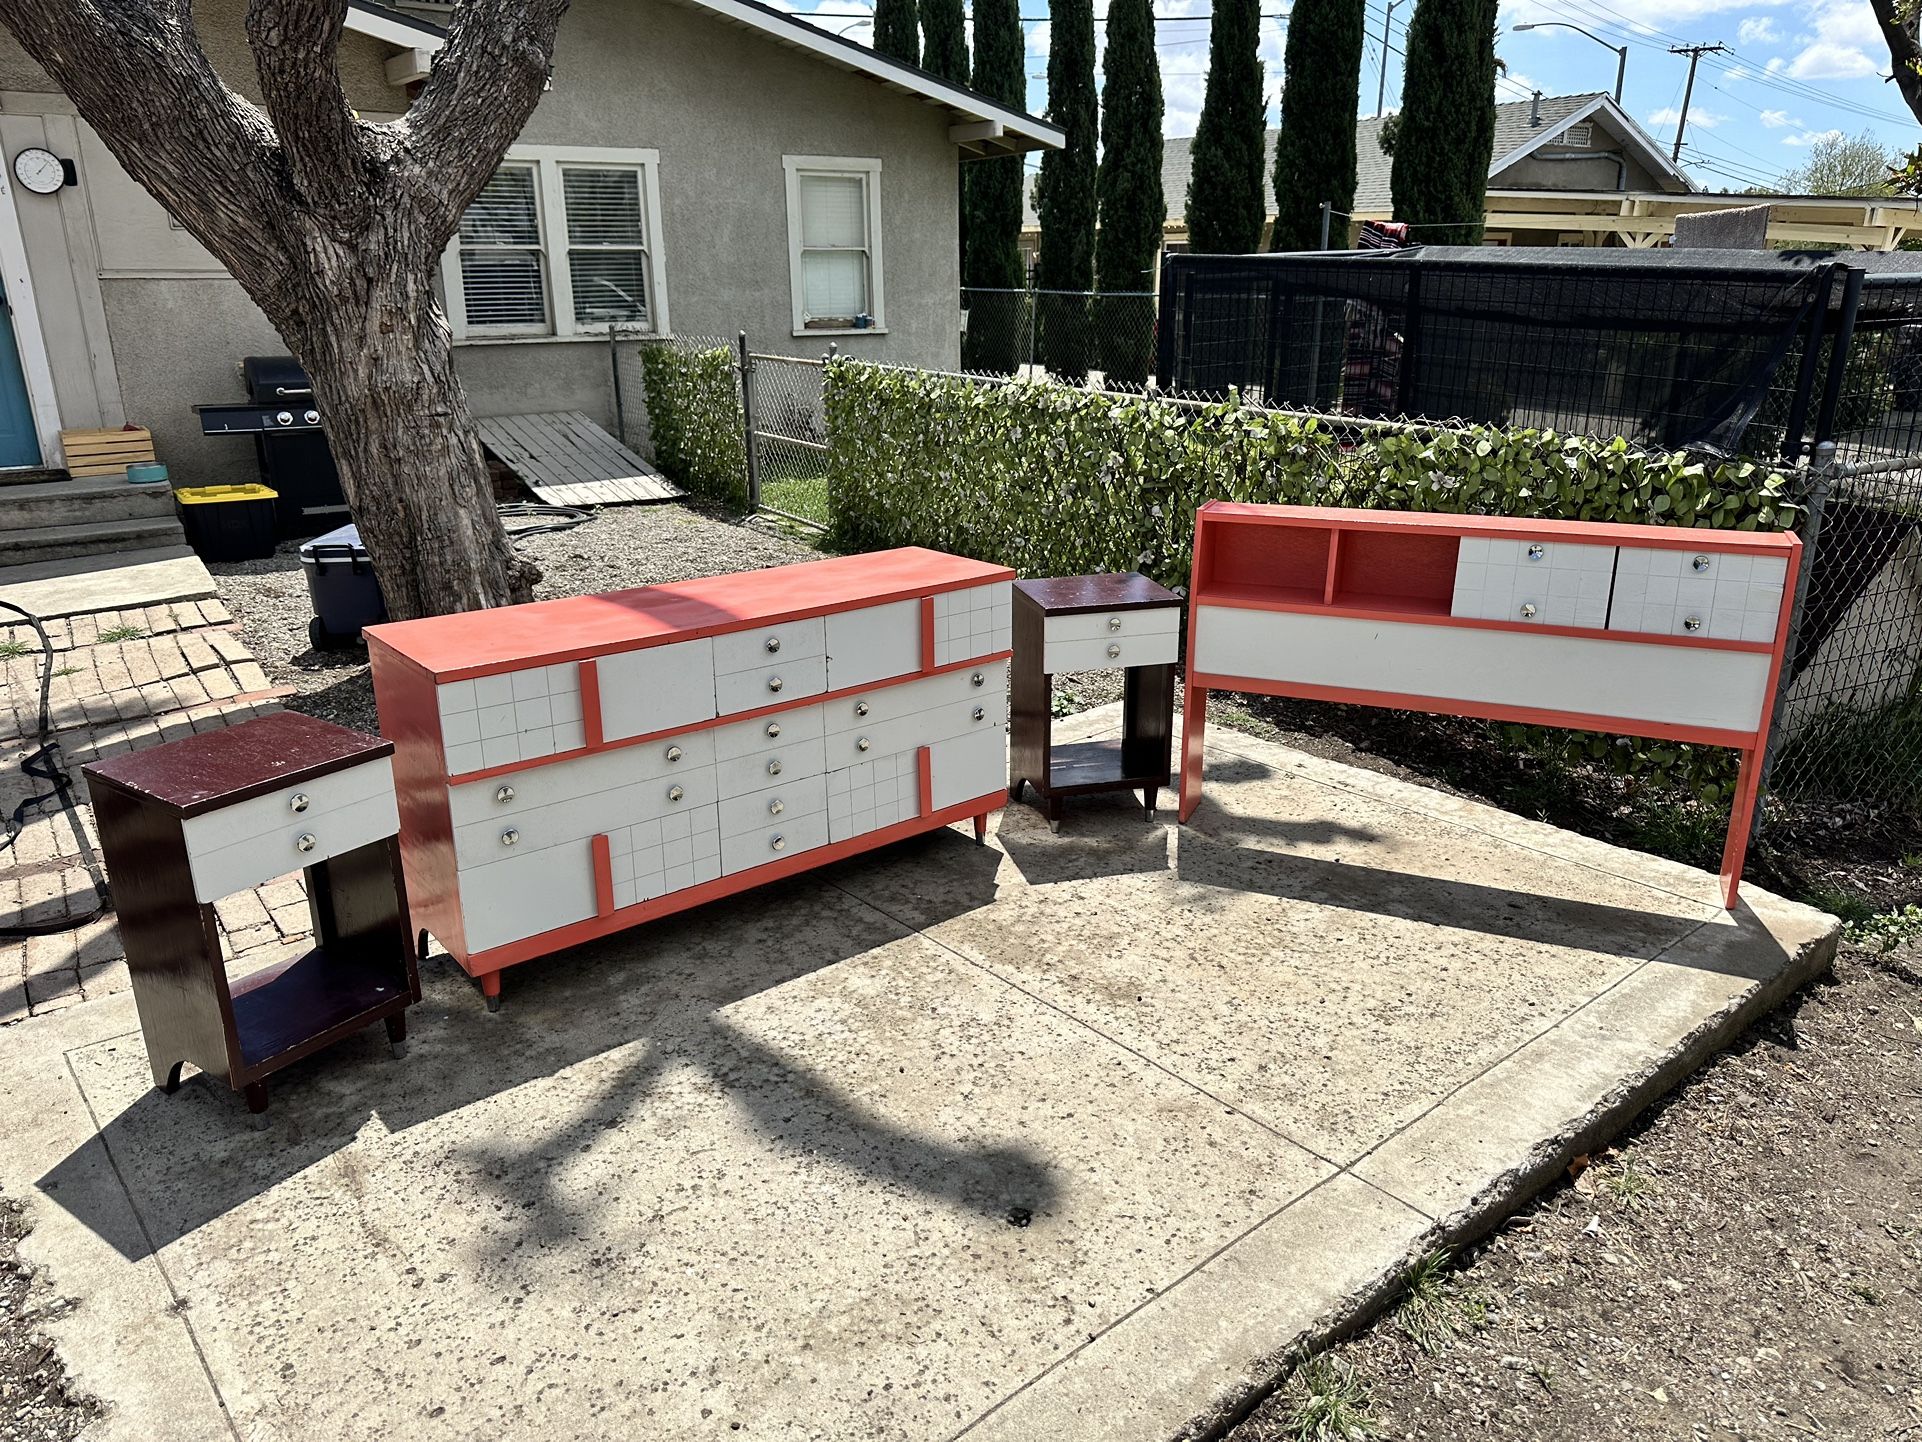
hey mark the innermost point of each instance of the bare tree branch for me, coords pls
(296, 45)
(485, 83)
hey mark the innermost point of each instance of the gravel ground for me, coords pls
(35, 1405)
(622, 546)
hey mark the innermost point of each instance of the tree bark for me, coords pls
(1896, 19)
(334, 227)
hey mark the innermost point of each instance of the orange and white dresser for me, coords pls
(1654, 631)
(569, 768)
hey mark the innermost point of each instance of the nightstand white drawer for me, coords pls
(523, 896)
(764, 844)
(537, 828)
(769, 645)
(605, 771)
(1104, 652)
(298, 806)
(770, 683)
(783, 763)
(657, 688)
(873, 643)
(297, 841)
(801, 797)
(768, 733)
(1112, 625)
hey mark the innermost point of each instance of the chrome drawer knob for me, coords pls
(863, 744)
(298, 802)
(860, 708)
(776, 807)
(1528, 610)
(779, 843)
(504, 794)
(1693, 623)
(1536, 552)
(979, 712)
(673, 753)
(773, 729)
(1700, 563)
(774, 683)
(307, 842)
(675, 793)
(773, 644)
(1114, 623)
(1114, 649)
(774, 768)
(510, 836)
(977, 679)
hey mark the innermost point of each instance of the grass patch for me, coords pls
(804, 496)
(1429, 1313)
(1842, 744)
(1327, 1402)
(1628, 1184)
(121, 633)
(12, 649)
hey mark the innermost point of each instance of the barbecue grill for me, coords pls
(290, 442)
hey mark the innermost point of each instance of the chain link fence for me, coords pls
(1104, 339)
(787, 433)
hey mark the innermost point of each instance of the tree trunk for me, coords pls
(372, 337)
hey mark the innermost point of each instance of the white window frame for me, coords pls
(548, 162)
(869, 172)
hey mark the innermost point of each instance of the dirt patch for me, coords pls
(35, 1404)
(1746, 1263)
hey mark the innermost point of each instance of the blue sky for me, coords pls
(1798, 68)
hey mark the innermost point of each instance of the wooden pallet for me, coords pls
(105, 452)
(567, 460)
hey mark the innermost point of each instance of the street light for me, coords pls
(1621, 51)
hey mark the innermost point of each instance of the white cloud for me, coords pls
(1701, 119)
(1778, 119)
(1758, 30)
(1809, 137)
(1843, 43)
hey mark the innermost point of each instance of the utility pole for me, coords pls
(1695, 54)
(1381, 86)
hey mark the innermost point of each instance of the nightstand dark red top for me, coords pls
(218, 768)
(1115, 591)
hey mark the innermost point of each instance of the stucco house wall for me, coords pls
(140, 322)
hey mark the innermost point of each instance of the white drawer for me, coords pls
(873, 795)
(784, 762)
(770, 843)
(761, 646)
(1108, 652)
(1112, 625)
(511, 716)
(771, 682)
(873, 643)
(1548, 583)
(658, 688)
(537, 828)
(296, 841)
(866, 709)
(667, 854)
(986, 710)
(765, 733)
(965, 768)
(802, 796)
(978, 621)
(271, 818)
(524, 895)
(560, 781)
(1709, 594)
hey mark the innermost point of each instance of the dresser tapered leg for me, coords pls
(981, 829)
(490, 985)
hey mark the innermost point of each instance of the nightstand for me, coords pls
(1093, 623)
(186, 823)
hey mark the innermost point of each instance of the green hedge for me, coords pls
(1055, 481)
(694, 419)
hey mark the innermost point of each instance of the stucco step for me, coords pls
(73, 503)
(47, 543)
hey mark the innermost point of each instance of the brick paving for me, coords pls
(121, 679)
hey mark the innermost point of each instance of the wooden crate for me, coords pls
(105, 452)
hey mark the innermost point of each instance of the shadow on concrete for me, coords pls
(189, 1158)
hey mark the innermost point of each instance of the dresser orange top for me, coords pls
(477, 643)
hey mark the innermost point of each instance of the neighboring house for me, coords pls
(696, 167)
(1571, 170)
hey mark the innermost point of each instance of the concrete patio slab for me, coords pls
(1069, 1137)
(117, 581)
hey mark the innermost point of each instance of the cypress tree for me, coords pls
(944, 52)
(1065, 196)
(896, 30)
(1315, 151)
(1445, 134)
(1226, 206)
(1128, 186)
(994, 341)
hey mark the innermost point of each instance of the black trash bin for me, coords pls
(340, 581)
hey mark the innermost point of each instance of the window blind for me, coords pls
(503, 273)
(834, 239)
(606, 245)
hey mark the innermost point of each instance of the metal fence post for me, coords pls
(1798, 418)
(746, 367)
(614, 368)
(1822, 482)
(1839, 356)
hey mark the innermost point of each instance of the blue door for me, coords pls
(19, 446)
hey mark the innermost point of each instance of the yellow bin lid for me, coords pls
(202, 495)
